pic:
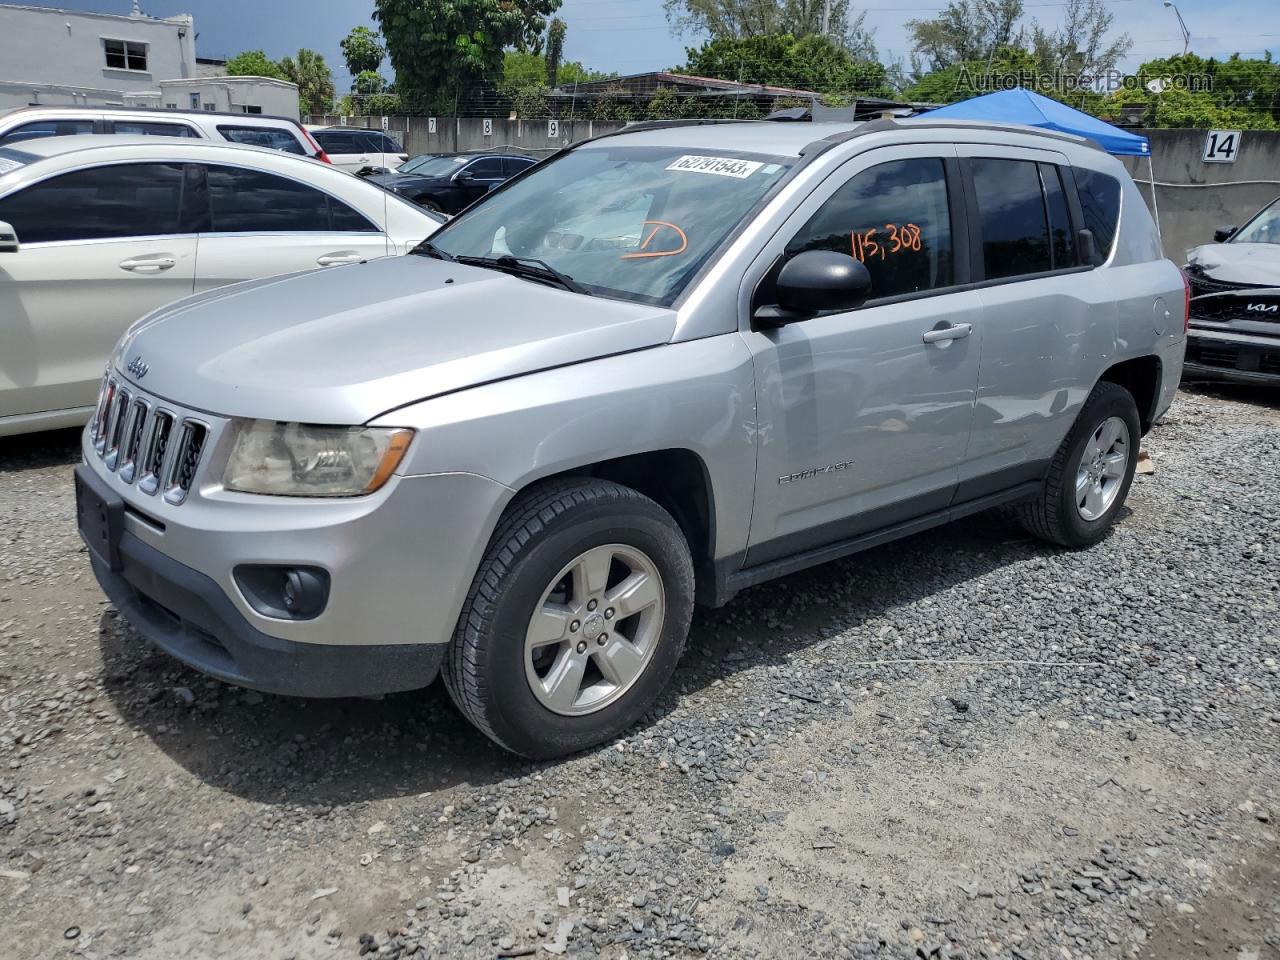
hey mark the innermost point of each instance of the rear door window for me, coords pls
(1012, 216)
(337, 141)
(101, 203)
(274, 138)
(148, 128)
(46, 128)
(252, 201)
(1100, 205)
(487, 168)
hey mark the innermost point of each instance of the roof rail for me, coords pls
(160, 111)
(638, 125)
(886, 124)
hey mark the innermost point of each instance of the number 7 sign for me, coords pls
(1221, 146)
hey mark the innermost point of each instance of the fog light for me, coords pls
(286, 593)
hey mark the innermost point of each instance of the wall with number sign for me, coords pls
(1200, 196)
(534, 138)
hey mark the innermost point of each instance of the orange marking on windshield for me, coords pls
(656, 224)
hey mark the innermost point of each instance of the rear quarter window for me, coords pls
(272, 137)
(1100, 204)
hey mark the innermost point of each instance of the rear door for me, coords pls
(343, 149)
(258, 224)
(1048, 324)
(99, 248)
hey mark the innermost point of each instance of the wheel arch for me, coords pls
(1142, 377)
(678, 480)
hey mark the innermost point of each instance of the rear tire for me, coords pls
(1090, 475)
(575, 620)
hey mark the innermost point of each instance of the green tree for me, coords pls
(813, 62)
(442, 49)
(367, 83)
(748, 19)
(315, 83)
(362, 49)
(253, 63)
(555, 49)
(1192, 91)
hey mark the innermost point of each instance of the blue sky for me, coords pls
(631, 36)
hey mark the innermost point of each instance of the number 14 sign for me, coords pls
(1221, 146)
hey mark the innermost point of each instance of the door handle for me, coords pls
(956, 331)
(335, 259)
(148, 264)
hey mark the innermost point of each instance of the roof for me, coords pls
(792, 139)
(46, 147)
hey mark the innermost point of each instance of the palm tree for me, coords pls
(315, 83)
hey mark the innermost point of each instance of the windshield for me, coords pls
(413, 163)
(13, 159)
(631, 222)
(439, 166)
(1264, 228)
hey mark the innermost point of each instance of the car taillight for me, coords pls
(1186, 302)
(320, 154)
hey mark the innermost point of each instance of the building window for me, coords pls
(211, 106)
(126, 55)
(195, 100)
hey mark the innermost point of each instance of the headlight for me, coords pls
(300, 460)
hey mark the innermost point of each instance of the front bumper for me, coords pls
(1237, 357)
(399, 564)
(187, 615)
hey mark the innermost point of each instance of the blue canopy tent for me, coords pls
(1033, 110)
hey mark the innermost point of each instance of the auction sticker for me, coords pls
(718, 166)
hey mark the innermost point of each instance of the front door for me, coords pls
(863, 416)
(99, 249)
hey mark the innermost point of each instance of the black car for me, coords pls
(451, 181)
(1234, 329)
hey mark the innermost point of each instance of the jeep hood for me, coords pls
(1256, 264)
(345, 344)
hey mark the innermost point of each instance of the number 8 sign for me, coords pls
(1221, 146)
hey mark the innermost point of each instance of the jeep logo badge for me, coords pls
(138, 367)
(1262, 307)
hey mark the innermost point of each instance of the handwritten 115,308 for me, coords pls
(901, 238)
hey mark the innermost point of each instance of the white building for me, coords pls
(228, 94)
(68, 57)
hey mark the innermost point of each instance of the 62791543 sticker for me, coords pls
(717, 166)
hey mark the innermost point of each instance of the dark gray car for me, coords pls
(449, 182)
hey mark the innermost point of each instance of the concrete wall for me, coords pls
(466, 134)
(1190, 214)
(58, 56)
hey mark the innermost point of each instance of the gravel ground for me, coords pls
(961, 745)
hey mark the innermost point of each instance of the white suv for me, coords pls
(251, 129)
(357, 149)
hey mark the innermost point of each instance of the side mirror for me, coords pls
(8, 238)
(464, 178)
(1088, 247)
(814, 282)
(1223, 234)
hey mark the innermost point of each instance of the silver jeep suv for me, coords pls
(659, 367)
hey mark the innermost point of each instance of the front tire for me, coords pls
(575, 620)
(1091, 473)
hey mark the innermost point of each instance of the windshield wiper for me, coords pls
(428, 249)
(528, 267)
